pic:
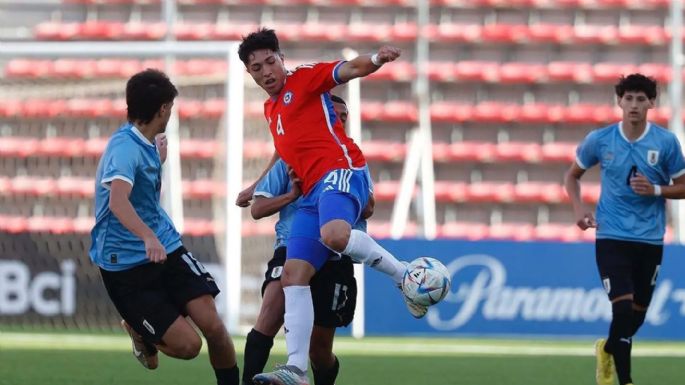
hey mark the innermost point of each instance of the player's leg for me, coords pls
(345, 194)
(202, 310)
(305, 254)
(334, 292)
(192, 289)
(615, 264)
(260, 339)
(147, 311)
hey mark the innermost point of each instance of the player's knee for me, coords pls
(215, 330)
(335, 237)
(189, 349)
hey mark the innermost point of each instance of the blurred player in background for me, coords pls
(334, 289)
(310, 139)
(638, 162)
(153, 281)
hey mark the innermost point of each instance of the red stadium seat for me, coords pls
(231, 31)
(322, 32)
(559, 152)
(17, 146)
(403, 32)
(399, 111)
(143, 31)
(100, 30)
(385, 190)
(533, 113)
(569, 72)
(522, 73)
(486, 192)
(550, 33)
(56, 31)
(512, 231)
(539, 192)
(642, 34)
(368, 32)
(472, 151)
(478, 71)
(590, 192)
(660, 72)
(504, 33)
(441, 71)
(193, 31)
(464, 230)
(495, 112)
(385, 151)
(610, 72)
(595, 34)
(454, 33)
(518, 152)
(83, 187)
(557, 232)
(61, 147)
(22, 68)
(396, 71)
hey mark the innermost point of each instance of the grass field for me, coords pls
(71, 359)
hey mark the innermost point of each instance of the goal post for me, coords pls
(232, 126)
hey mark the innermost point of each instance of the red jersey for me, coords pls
(307, 134)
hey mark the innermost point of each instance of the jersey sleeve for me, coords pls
(321, 77)
(675, 163)
(121, 162)
(276, 182)
(587, 151)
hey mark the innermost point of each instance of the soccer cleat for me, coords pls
(144, 352)
(283, 375)
(605, 364)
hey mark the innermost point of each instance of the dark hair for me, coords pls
(262, 39)
(338, 99)
(146, 91)
(636, 83)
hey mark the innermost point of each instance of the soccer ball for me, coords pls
(426, 281)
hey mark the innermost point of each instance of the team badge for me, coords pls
(652, 157)
(607, 285)
(288, 97)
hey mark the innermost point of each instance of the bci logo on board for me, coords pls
(480, 290)
(48, 293)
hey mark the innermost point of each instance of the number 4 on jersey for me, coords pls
(279, 126)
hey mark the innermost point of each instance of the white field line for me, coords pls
(365, 347)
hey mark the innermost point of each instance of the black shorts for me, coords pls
(627, 267)
(152, 296)
(334, 289)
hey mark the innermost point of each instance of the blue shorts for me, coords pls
(340, 194)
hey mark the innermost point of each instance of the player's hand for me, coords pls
(161, 142)
(154, 250)
(388, 53)
(296, 183)
(586, 220)
(641, 185)
(245, 196)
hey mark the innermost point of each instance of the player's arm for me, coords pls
(245, 196)
(122, 209)
(584, 217)
(265, 206)
(642, 186)
(364, 65)
(368, 210)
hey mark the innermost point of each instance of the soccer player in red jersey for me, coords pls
(311, 139)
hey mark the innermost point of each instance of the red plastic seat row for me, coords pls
(83, 225)
(468, 71)
(467, 33)
(493, 192)
(390, 111)
(583, 4)
(106, 68)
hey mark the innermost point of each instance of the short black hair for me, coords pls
(338, 99)
(264, 38)
(636, 83)
(146, 91)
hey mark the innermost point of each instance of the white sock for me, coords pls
(298, 323)
(362, 248)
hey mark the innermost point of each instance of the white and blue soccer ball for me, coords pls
(426, 281)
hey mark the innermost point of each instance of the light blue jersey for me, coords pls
(621, 213)
(277, 182)
(130, 157)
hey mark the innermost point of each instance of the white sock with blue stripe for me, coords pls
(362, 248)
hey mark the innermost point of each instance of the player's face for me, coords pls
(635, 106)
(267, 69)
(341, 110)
(165, 114)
